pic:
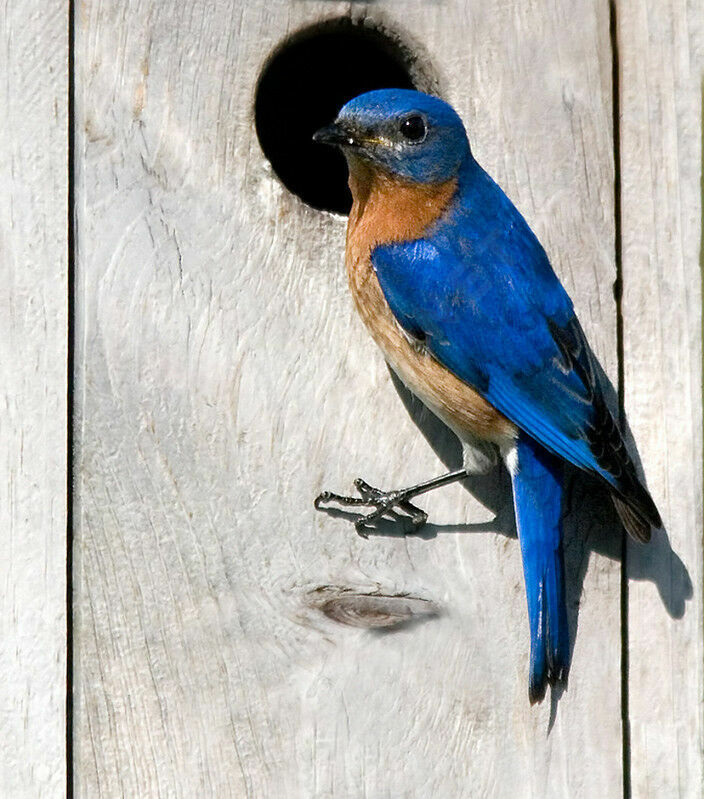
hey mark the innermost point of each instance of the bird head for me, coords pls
(408, 134)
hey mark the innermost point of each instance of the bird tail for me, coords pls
(537, 481)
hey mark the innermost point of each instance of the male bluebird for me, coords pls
(460, 296)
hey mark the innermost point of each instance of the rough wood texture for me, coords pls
(223, 645)
(33, 338)
(661, 46)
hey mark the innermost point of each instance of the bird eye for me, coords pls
(414, 128)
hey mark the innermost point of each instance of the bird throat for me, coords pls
(386, 208)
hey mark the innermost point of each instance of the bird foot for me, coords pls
(384, 502)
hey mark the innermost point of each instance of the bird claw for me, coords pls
(384, 502)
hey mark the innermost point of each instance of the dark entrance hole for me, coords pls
(304, 85)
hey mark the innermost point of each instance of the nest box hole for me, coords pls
(303, 86)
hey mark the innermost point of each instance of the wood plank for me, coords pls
(33, 340)
(225, 381)
(661, 47)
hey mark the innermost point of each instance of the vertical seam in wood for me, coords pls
(618, 296)
(70, 265)
(701, 289)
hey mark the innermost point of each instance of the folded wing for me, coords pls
(492, 311)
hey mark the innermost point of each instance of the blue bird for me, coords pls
(458, 293)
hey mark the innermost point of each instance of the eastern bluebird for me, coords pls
(458, 293)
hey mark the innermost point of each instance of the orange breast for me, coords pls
(386, 210)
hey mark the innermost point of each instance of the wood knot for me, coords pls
(371, 610)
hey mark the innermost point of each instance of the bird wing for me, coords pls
(492, 311)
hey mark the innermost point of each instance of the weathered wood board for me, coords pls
(223, 380)
(661, 47)
(33, 347)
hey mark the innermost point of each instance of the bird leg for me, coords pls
(386, 501)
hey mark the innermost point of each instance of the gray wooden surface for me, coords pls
(229, 641)
(33, 346)
(224, 381)
(662, 55)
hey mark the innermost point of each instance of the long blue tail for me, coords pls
(537, 478)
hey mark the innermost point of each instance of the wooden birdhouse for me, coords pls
(185, 372)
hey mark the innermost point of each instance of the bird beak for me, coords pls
(335, 135)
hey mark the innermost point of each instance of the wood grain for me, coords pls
(661, 47)
(33, 340)
(224, 380)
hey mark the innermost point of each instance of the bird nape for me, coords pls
(459, 295)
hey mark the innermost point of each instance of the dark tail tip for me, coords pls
(536, 690)
(556, 674)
